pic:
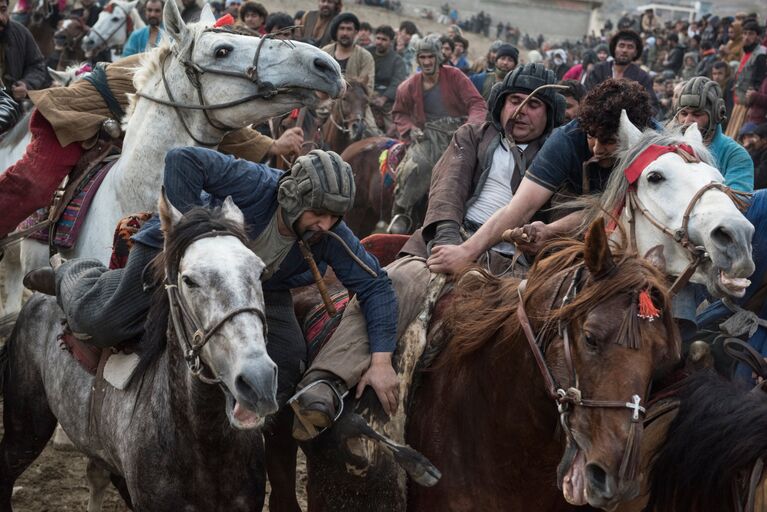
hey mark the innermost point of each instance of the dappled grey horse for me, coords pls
(184, 434)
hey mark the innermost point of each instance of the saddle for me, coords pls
(96, 360)
(60, 223)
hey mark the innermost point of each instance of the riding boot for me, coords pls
(41, 280)
(316, 405)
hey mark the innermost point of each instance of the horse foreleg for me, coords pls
(11, 287)
(281, 450)
(98, 481)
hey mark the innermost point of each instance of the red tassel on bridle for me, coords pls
(647, 309)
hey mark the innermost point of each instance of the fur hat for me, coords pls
(507, 50)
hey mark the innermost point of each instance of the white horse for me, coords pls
(239, 80)
(680, 204)
(115, 23)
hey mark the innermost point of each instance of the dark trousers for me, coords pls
(285, 342)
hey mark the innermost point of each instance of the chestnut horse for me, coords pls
(485, 413)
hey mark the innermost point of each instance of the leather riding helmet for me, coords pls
(526, 79)
(704, 94)
(320, 180)
(430, 44)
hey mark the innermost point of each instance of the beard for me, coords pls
(346, 42)
(623, 61)
(751, 47)
(3, 33)
(153, 22)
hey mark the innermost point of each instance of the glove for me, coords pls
(447, 232)
(10, 111)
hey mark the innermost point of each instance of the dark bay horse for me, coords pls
(184, 434)
(375, 195)
(68, 39)
(43, 21)
(344, 124)
(485, 415)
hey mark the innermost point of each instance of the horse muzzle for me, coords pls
(252, 396)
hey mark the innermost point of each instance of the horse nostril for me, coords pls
(598, 479)
(721, 236)
(322, 65)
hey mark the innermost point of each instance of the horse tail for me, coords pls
(717, 436)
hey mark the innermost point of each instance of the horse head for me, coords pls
(41, 11)
(70, 34)
(674, 196)
(115, 23)
(219, 79)
(348, 113)
(604, 326)
(217, 307)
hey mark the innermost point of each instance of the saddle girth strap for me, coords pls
(98, 78)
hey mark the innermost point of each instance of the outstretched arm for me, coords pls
(452, 258)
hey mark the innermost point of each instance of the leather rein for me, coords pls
(264, 90)
(567, 399)
(186, 323)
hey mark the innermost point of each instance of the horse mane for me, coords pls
(194, 223)
(484, 310)
(135, 17)
(718, 433)
(613, 196)
(149, 66)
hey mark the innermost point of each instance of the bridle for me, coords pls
(189, 330)
(570, 397)
(680, 235)
(194, 71)
(105, 40)
(346, 120)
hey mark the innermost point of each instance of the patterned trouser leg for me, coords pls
(29, 184)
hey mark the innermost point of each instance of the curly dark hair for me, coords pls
(600, 113)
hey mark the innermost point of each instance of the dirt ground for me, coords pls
(55, 482)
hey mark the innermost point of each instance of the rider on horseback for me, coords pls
(304, 207)
(479, 172)
(22, 67)
(69, 119)
(700, 101)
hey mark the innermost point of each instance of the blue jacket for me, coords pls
(139, 39)
(716, 313)
(733, 162)
(253, 187)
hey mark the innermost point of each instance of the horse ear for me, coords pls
(169, 215)
(60, 77)
(231, 212)
(693, 135)
(656, 258)
(207, 18)
(175, 27)
(129, 6)
(627, 132)
(597, 254)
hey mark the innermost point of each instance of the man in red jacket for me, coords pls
(428, 108)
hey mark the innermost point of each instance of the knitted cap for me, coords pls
(321, 181)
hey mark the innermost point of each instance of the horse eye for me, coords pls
(591, 342)
(115, 19)
(223, 51)
(655, 177)
(189, 282)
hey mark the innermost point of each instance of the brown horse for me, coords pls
(373, 204)
(344, 124)
(68, 40)
(43, 20)
(485, 414)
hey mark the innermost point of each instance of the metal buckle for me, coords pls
(634, 405)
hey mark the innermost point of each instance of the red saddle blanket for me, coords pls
(68, 225)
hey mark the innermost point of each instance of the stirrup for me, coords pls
(310, 427)
(406, 219)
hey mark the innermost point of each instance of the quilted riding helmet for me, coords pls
(525, 79)
(702, 93)
(430, 44)
(320, 181)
